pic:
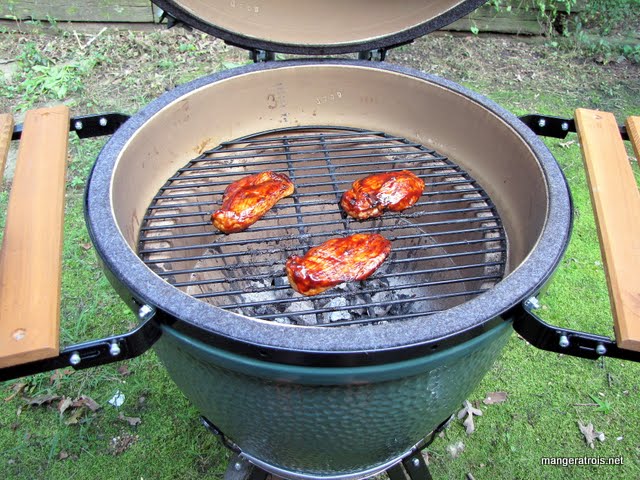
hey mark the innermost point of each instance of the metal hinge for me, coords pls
(376, 55)
(557, 127)
(262, 56)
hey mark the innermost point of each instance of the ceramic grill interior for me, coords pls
(446, 249)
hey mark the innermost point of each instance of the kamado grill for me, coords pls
(350, 382)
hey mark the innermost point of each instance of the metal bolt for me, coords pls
(416, 462)
(103, 122)
(564, 126)
(601, 349)
(542, 122)
(146, 312)
(564, 341)
(75, 359)
(238, 466)
(533, 303)
(114, 349)
(78, 125)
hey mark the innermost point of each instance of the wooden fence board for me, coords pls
(78, 11)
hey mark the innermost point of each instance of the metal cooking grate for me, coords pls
(446, 249)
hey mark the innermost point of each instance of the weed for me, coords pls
(603, 405)
(40, 77)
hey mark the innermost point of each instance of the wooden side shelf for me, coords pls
(31, 255)
(616, 201)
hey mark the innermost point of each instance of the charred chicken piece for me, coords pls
(245, 201)
(336, 261)
(370, 196)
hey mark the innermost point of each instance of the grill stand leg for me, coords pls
(241, 469)
(412, 467)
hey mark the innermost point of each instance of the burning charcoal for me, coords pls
(280, 281)
(283, 320)
(337, 315)
(383, 306)
(301, 306)
(260, 284)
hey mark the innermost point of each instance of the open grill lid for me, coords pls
(310, 27)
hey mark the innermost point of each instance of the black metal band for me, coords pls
(88, 126)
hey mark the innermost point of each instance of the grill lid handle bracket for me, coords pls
(616, 203)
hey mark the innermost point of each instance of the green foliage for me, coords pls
(548, 10)
(609, 15)
(603, 405)
(609, 30)
(40, 77)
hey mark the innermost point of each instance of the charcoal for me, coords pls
(337, 315)
(382, 299)
(283, 320)
(301, 306)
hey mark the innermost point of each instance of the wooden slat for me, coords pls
(633, 128)
(6, 130)
(30, 259)
(78, 11)
(616, 201)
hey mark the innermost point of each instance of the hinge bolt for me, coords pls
(416, 462)
(533, 303)
(564, 126)
(238, 466)
(146, 312)
(542, 122)
(103, 122)
(78, 125)
(114, 349)
(564, 341)
(601, 349)
(75, 359)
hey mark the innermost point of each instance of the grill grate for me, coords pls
(446, 249)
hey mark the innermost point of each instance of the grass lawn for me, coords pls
(156, 433)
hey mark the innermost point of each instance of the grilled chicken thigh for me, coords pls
(371, 196)
(336, 261)
(245, 201)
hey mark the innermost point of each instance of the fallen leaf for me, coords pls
(590, 434)
(495, 397)
(63, 455)
(85, 401)
(86, 246)
(567, 144)
(17, 388)
(469, 411)
(41, 400)
(75, 417)
(124, 370)
(121, 443)
(133, 421)
(64, 404)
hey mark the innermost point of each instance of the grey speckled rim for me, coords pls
(368, 344)
(389, 41)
